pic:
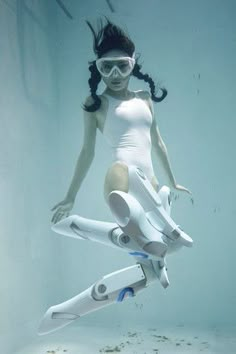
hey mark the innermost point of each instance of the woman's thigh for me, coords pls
(117, 178)
(155, 183)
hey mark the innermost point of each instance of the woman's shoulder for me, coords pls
(89, 100)
(144, 94)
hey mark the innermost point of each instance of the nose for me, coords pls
(115, 73)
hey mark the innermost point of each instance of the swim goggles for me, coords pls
(107, 65)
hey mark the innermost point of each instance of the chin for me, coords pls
(118, 87)
(123, 84)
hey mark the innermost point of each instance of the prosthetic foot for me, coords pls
(111, 288)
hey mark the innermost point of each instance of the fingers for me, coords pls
(54, 218)
(63, 210)
(175, 196)
(182, 189)
(191, 199)
(55, 206)
(59, 215)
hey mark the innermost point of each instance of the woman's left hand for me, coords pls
(182, 188)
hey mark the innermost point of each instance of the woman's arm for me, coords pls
(84, 161)
(82, 166)
(161, 150)
(158, 144)
(86, 154)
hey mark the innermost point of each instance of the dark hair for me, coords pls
(110, 37)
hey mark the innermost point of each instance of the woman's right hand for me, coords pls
(63, 210)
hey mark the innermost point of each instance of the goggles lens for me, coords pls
(124, 65)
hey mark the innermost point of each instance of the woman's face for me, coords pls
(116, 82)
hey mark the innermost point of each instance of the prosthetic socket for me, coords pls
(143, 228)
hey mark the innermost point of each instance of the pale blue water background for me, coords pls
(190, 46)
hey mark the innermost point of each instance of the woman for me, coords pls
(125, 118)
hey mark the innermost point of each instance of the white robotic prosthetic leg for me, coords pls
(114, 287)
(141, 231)
(103, 232)
(110, 234)
(141, 215)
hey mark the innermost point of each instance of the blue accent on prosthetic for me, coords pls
(123, 292)
(139, 254)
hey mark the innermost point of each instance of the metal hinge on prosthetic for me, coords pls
(131, 218)
(142, 190)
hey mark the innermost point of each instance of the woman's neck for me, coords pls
(123, 94)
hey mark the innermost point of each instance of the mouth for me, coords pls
(115, 82)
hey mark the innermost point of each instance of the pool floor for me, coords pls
(139, 340)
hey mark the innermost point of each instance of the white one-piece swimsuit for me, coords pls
(127, 131)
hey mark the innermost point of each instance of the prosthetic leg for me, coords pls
(140, 213)
(143, 228)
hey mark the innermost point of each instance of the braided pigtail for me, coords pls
(94, 80)
(137, 73)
